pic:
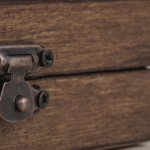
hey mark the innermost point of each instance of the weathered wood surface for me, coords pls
(85, 37)
(85, 112)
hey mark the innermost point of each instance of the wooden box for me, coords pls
(99, 84)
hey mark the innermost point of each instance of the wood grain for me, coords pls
(85, 112)
(85, 37)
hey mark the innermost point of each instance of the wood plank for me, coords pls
(86, 112)
(85, 37)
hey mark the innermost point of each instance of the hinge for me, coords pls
(18, 98)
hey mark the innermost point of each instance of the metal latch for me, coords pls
(18, 98)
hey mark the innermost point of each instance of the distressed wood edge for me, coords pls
(14, 2)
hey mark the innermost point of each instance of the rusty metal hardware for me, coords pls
(18, 98)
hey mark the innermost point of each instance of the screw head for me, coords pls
(43, 99)
(47, 58)
(22, 103)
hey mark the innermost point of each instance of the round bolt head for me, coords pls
(22, 103)
(43, 99)
(47, 58)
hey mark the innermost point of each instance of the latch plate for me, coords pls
(18, 60)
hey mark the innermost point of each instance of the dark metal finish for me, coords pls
(22, 99)
(43, 99)
(22, 103)
(47, 58)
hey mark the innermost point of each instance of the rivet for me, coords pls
(22, 103)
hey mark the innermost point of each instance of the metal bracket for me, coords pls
(18, 99)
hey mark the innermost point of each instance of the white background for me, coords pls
(144, 146)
